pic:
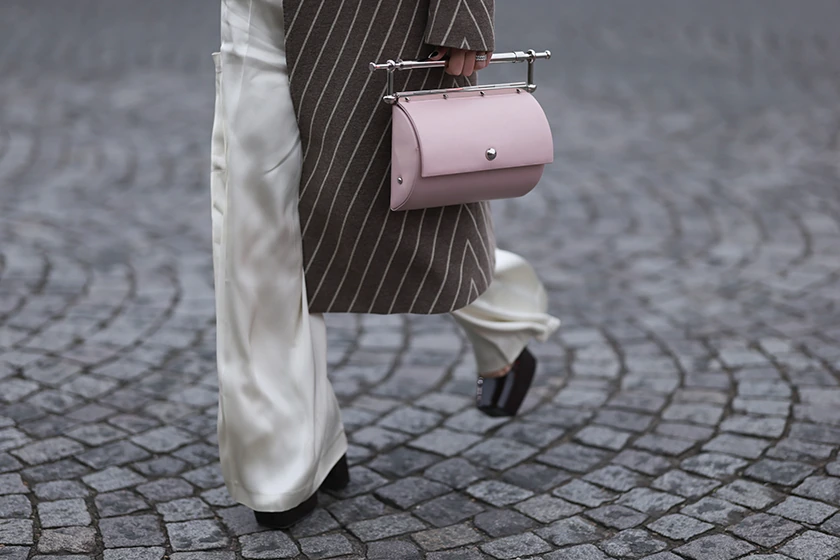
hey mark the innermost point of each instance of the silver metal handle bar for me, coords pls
(392, 66)
(514, 56)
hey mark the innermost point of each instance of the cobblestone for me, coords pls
(746, 493)
(532, 434)
(498, 493)
(402, 462)
(112, 478)
(716, 511)
(15, 506)
(184, 510)
(48, 450)
(795, 450)
(386, 550)
(580, 552)
(547, 509)
(357, 509)
(574, 530)
(165, 489)
(785, 473)
(14, 553)
(457, 473)
(319, 522)
(642, 462)
(615, 478)
(12, 484)
(499, 453)
(741, 446)
(679, 527)
(151, 553)
(685, 411)
(536, 477)
(63, 513)
(272, 544)
(386, 526)
(617, 517)
(822, 488)
(812, 545)
(663, 444)
(119, 503)
(573, 457)
(649, 501)
(196, 535)
(448, 510)
(410, 491)
(804, 511)
(447, 537)
(584, 493)
(139, 530)
(713, 465)
(503, 523)
(61, 489)
(633, 543)
(445, 442)
(508, 548)
(15, 531)
(607, 438)
(684, 484)
(715, 547)
(765, 530)
(326, 547)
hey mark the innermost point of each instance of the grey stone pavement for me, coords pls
(689, 234)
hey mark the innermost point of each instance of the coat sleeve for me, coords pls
(461, 24)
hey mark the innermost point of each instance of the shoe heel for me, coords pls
(504, 395)
(339, 476)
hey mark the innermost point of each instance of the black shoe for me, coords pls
(337, 479)
(339, 476)
(285, 519)
(502, 396)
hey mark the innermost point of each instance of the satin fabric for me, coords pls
(280, 430)
(507, 316)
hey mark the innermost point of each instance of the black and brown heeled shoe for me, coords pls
(337, 479)
(502, 396)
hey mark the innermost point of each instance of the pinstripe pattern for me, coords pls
(358, 255)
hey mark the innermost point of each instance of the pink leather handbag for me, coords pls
(462, 145)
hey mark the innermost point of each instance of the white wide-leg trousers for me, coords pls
(280, 430)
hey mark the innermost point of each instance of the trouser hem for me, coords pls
(289, 500)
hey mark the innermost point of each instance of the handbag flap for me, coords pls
(468, 132)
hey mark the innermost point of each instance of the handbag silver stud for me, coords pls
(399, 180)
(490, 154)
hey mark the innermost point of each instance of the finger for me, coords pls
(469, 63)
(439, 53)
(455, 66)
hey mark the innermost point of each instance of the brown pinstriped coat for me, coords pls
(358, 255)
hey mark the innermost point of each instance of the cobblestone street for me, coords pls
(688, 232)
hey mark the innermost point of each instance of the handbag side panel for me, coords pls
(405, 158)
